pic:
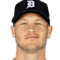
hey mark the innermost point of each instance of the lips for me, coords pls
(32, 36)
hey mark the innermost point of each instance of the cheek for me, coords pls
(20, 34)
(42, 35)
(41, 31)
(20, 37)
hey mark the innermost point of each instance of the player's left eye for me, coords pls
(38, 23)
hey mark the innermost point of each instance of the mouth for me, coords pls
(31, 38)
(34, 37)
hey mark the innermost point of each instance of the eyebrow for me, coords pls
(35, 20)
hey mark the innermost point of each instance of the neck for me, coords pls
(21, 55)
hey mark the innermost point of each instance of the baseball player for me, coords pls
(31, 29)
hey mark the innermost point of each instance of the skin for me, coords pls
(29, 49)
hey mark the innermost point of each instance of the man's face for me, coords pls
(22, 29)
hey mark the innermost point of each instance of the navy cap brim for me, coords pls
(14, 18)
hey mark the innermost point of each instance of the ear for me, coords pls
(49, 31)
(13, 31)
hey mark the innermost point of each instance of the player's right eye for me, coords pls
(23, 23)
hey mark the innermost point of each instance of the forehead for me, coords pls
(31, 17)
(34, 16)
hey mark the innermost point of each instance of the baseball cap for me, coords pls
(31, 6)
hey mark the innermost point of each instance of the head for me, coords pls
(31, 24)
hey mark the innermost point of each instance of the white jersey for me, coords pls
(12, 59)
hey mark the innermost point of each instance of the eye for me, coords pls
(22, 23)
(38, 23)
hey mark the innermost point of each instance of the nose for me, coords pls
(31, 30)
